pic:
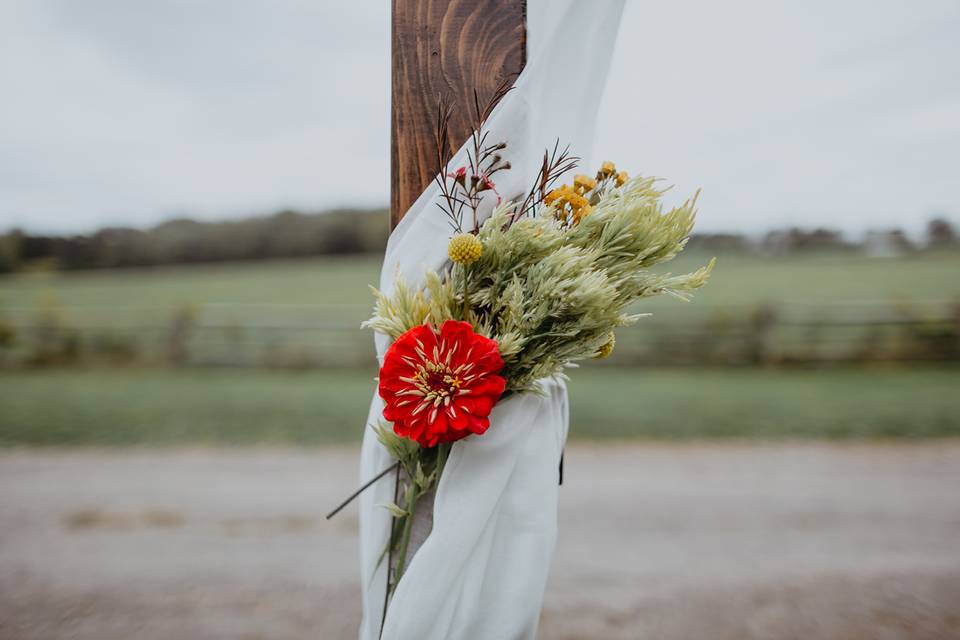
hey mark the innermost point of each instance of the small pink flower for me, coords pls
(486, 183)
(460, 176)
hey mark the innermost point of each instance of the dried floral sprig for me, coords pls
(465, 187)
(451, 205)
(555, 164)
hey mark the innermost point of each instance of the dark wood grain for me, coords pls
(448, 48)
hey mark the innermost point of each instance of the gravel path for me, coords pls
(694, 541)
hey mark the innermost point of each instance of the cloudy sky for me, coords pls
(843, 113)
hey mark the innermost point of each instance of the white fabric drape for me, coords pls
(482, 571)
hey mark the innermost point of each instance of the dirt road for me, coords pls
(696, 541)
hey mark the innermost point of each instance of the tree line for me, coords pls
(287, 234)
(292, 234)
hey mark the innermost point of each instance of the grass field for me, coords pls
(318, 304)
(340, 284)
(164, 407)
(308, 312)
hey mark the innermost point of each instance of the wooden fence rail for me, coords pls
(221, 335)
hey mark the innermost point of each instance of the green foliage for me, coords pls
(422, 469)
(404, 450)
(411, 307)
(286, 234)
(135, 407)
(550, 294)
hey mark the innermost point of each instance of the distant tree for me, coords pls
(10, 251)
(719, 242)
(287, 234)
(940, 234)
(796, 239)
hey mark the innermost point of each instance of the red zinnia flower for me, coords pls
(440, 387)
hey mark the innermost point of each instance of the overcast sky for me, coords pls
(840, 113)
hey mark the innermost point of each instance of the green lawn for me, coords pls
(309, 311)
(314, 307)
(167, 407)
(339, 285)
(333, 280)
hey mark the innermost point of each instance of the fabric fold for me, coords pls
(482, 571)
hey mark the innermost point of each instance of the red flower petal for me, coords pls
(456, 366)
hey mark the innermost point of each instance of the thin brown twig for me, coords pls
(482, 159)
(363, 488)
(555, 164)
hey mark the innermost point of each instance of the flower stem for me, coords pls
(414, 493)
(466, 295)
(407, 529)
(393, 528)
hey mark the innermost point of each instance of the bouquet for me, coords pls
(542, 283)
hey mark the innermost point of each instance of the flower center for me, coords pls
(437, 382)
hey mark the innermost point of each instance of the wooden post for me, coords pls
(448, 48)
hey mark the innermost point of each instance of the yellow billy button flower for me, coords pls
(607, 169)
(577, 201)
(567, 196)
(560, 194)
(607, 348)
(622, 177)
(583, 183)
(465, 248)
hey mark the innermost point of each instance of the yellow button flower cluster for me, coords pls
(609, 170)
(574, 203)
(465, 248)
(582, 183)
(607, 348)
(567, 196)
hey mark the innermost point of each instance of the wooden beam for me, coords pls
(448, 48)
